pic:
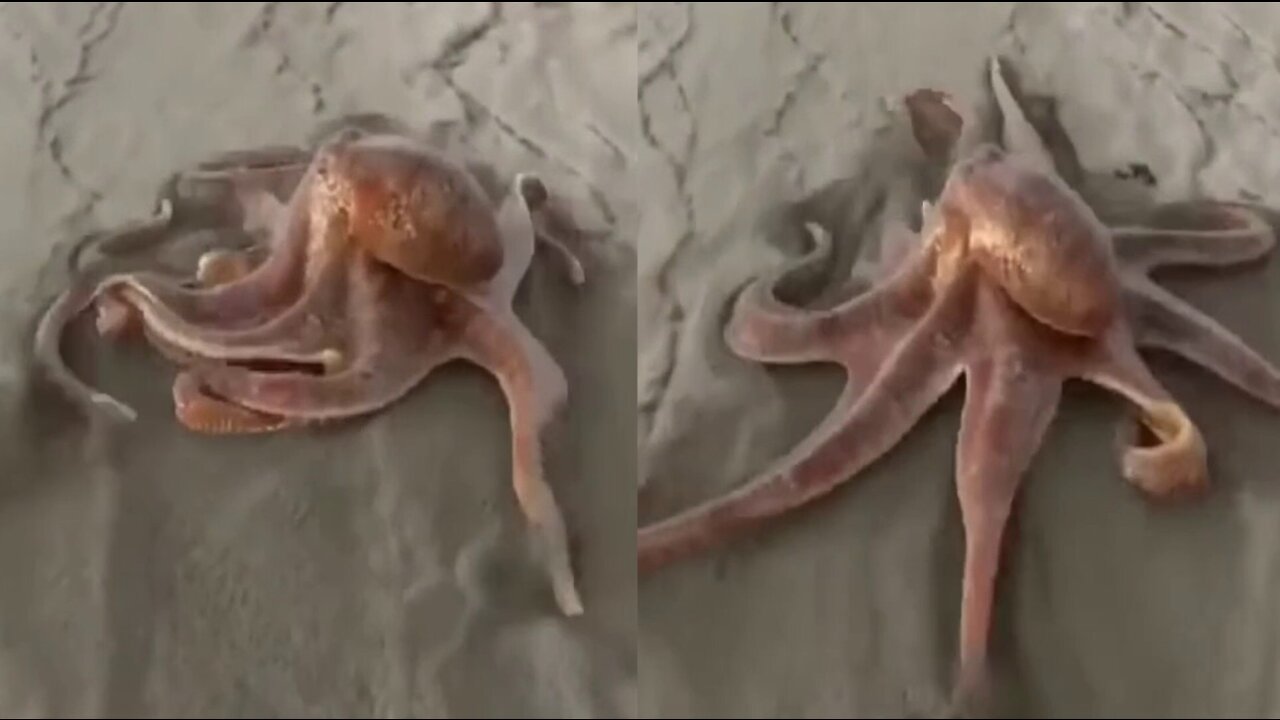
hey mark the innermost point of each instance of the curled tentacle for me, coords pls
(71, 302)
(1177, 463)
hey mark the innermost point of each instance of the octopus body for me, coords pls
(384, 262)
(1014, 285)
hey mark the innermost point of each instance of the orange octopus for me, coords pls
(386, 262)
(1016, 285)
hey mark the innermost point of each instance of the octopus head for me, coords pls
(409, 207)
(1037, 239)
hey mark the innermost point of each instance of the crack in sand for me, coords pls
(1230, 96)
(474, 107)
(653, 396)
(618, 155)
(667, 61)
(261, 33)
(456, 46)
(782, 17)
(1010, 30)
(1248, 37)
(89, 41)
(452, 56)
(261, 24)
(1154, 76)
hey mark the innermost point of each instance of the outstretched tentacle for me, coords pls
(1236, 234)
(1018, 135)
(1163, 320)
(1177, 464)
(1008, 408)
(536, 390)
(860, 429)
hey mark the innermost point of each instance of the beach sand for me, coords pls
(760, 117)
(379, 568)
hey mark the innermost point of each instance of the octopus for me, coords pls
(380, 261)
(1013, 283)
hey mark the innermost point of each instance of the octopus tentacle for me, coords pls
(372, 381)
(1237, 235)
(395, 348)
(199, 411)
(240, 299)
(536, 390)
(47, 351)
(537, 197)
(765, 329)
(289, 334)
(1177, 464)
(215, 267)
(1162, 320)
(1018, 135)
(860, 429)
(239, 331)
(515, 227)
(1008, 409)
(526, 195)
(572, 264)
(246, 299)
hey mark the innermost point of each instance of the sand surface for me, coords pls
(379, 568)
(758, 117)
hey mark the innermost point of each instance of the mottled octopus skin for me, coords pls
(1015, 285)
(386, 262)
